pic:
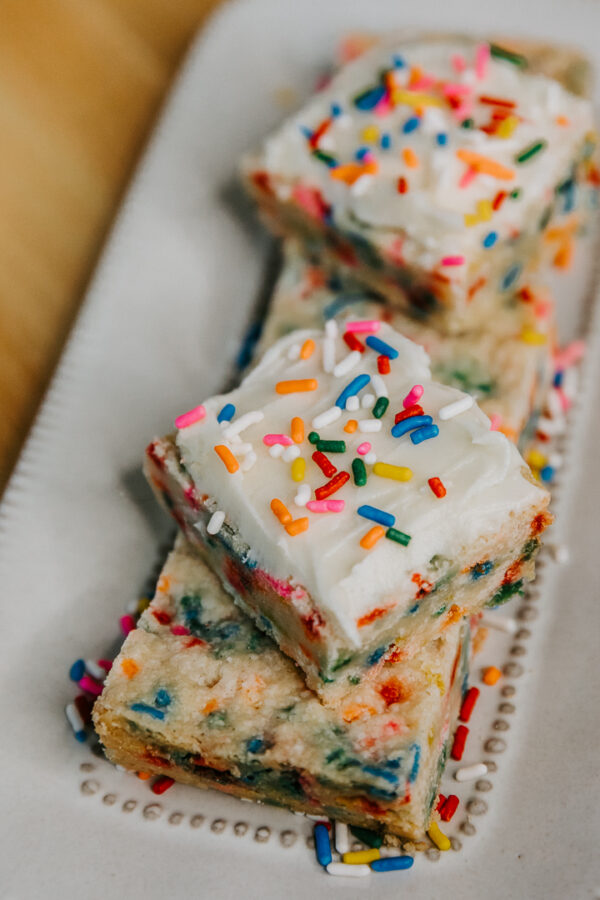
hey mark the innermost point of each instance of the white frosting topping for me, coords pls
(430, 215)
(480, 469)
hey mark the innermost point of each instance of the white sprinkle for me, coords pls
(379, 386)
(455, 408)
(331, 328)
(241, 447)
(250, 418)
(73, 718)
(291, 453)
(467, 773)
(352, 403)
(328, 354)
(509, 626)
(367, 401)
(346, 364)
(95, 670)
(215, 522)
(303, 494)
(276, 450)
(554, 404)
(248, 461)
(551, 427)
(294, 352)
(570, 382)
(328, 417)
(342, 837)
(347, 871)
(370, 458)
(368, 426)
(555, 460)
(361, 185)
(559, 553)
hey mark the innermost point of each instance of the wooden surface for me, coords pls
(80, 84)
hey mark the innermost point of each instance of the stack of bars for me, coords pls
(349, 510)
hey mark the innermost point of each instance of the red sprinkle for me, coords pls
(353, 342)
(402, 185)
(499, 200)
(414, 410)
(332, 486)
(449, 808)
(440, 803)
(83, 706)
(468, 704)
(436, 486)
(162, 617)
(162, 784)
(460, 739)
(496, 101)
(383, 365)
(127, 624)
(326, 466)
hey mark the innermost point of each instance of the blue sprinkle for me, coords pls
(479, 570)
(398, 62)
(379, 772)
(424, 433)
(490, 239)
(392, 863)
(144, 708)
(558, 379)
(341, 302)
(511, 276)
(409, 424)
(416, 762)
(336, 110)
(306, 132)
(162, 698)
(77, 670)
(322, 844)
(547, 473)
(376, 656)
(361, 153)
(411, 124)
(369, 99)
(256, 745)
(356, 385)
(381, 347)
(376, 515)
(227, 413)
(385, 142)
(413, 609)
(442, 139)
(80, 736)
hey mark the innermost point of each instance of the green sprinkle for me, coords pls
(394, 535)
(380, 407)
(517, 59)
(313, 437)
(360, 472)
(530, 151)
(467, 123)
(354, 679)
(325, 158)
(370, 838)
(331, 446)
(514, 195)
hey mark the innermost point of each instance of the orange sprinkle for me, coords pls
(297, 526)
(210, 706)
(144, 776)
(351, 426)
(163, 585)
(368, 540)
(297, 386)
(491, 675)
(227, 458)
(281, 511)
(308, 348)
(479, 639)
(129, 667)
(485, 164)
(562, 120)
(455, 614)
(356, 711)
(297, 430)
(351, 172)
(564, 255)
(372, 616)
(410, 158)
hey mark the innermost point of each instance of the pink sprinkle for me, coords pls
(458, 62)
(423, 83)
(88, 684)
(482, 56)
(564, 400)
(463, 111)
(384, 107)
(271, 439)
(105, 664)
(413, 396)
(467, 177)
(453, 261)
(127, 624)
(321, 506)
(569, 355)
(542, 309)
(455, 89)
(309, 200)
(495, 422)
(363, 448)
(190, 417)
(363, 326)
(179, 629)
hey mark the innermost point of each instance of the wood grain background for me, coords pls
(80, 84)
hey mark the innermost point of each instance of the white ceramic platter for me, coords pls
(159, 328)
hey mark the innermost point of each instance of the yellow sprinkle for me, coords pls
(471, 219)
(308, 348)
(506, 128)
(536, 459)
(298, 468)
(358, 857)
(438, 837)
(531, 336)
(484, 210)
(412, 98)
(387, 470)
(370, 134)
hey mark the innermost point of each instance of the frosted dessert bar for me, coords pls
(352, 507)
(432, 171)
(200, 695)
(508, 370)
